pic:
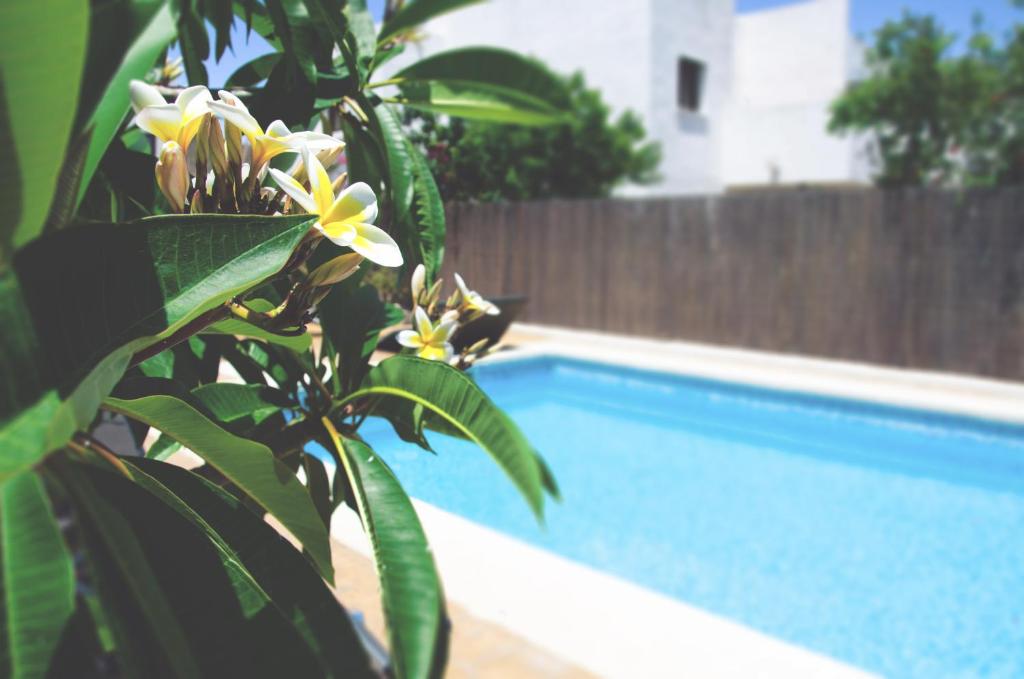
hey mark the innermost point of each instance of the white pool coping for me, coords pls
(615, 628)
(601, 623)
(948, 393)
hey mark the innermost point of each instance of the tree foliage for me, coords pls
(933, 117)
(586, 157)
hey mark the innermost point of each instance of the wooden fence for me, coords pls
(918, 278)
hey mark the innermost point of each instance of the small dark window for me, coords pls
(689, 82)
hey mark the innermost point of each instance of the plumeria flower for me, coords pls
(473, 301)
(346, 219)
(277, 138)
(430, 341)
(178, 122)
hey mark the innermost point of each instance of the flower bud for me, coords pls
(143, 94)
(233, 139)
(172, 174)
(218, 152)
(419, 276)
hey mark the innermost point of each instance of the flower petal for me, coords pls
(316, 141)
(319, 185)
(376, 245)
(444, 331)
(294, 189)
(143, 94)
(409, 338)
(461, 285)
(238, 116)
(279, 130)
(422, 323)
(163, 122)
(434, 352)
(193, 101)
(356, 204)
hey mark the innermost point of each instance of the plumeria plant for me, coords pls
(179, 271)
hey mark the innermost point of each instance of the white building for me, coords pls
(734, 99)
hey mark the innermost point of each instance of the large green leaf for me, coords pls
(487, 84)
(410, 588)
(231, 403)
(249, 465)
(416, 12)
(78, 303)
(38, 91)
(37, 588)
(400, 171)
(127, 38)
(352, 318)
(254, 71)
(283, 573)
(425, 227)
(178, 600)
(453, 396)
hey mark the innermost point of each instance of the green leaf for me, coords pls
(410, 587)
(38, 91)
(193, 40)
(363, 43)
(80, 302)
(453, 396)
(352, 318)
(254, 71)
(127, 39)
(249, 465)
(281, 571)
(426, 222)
(37, 588)
(238, 327)
(230, 403)
(178, 600)
(486, 84)
(400, 171)
(416, 12)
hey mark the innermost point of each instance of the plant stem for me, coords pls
(82, 443)
(196, 325)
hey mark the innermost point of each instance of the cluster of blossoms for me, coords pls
(434, 324)
(214, 156)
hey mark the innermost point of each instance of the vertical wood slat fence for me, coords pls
(916, 278)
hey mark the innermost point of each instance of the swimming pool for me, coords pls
(890, 539)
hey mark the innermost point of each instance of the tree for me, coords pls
(937, 119)
(128, 278)
(586, 157)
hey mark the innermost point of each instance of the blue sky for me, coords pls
(953, 15)
(866, 16)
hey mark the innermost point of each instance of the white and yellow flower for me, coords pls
(347, 219)
(430, 341)
(178, 122)
(272, 142)
(473, 301)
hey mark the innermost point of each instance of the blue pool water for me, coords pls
(887, 538)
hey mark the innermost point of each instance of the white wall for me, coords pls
(701, 30)
(628, 50)
(789, 65)
(606, 40)
(770, 76)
